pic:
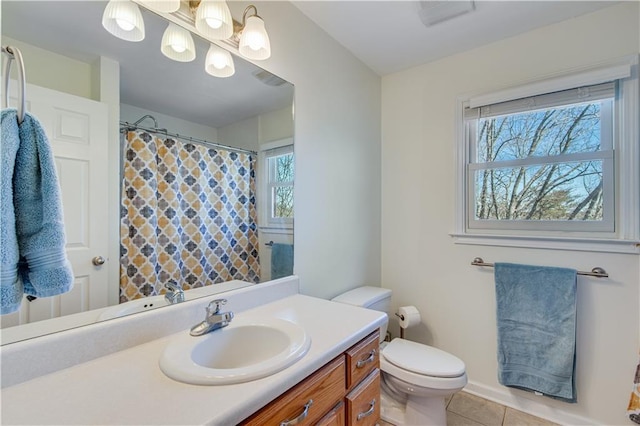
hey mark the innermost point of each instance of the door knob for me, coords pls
(98, 260)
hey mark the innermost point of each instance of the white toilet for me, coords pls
(416, 378)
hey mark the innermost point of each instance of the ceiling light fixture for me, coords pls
(163, 6)
(213, 19)
(123, 19)
(177, 44)
(219, 62)
(254, 40)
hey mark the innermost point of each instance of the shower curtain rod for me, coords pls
(126, 126)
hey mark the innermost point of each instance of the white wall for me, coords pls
(132, 114)
(423, 266)
(53, 71)
(244, 134)
(276, 125)
(337, 149)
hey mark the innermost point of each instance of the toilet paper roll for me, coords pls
(408, 316)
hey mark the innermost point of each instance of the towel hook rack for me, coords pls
(595, 272)
(14, 54)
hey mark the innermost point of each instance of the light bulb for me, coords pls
(254, 40)
(124, 24)
(214, 23)
(123, 19)
(218, 62)
(177, 44)
(178, 47)
(213, 19)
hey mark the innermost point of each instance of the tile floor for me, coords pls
(464, 409)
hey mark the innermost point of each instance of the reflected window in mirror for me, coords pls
(278, 205)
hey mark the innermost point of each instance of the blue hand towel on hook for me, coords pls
(43, 269)
(10, 287)
(536, 316)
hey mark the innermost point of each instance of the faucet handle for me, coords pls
(214, 306)
(172, 286)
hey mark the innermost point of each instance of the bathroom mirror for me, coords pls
(249, 111)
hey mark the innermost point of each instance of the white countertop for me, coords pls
(128, 387)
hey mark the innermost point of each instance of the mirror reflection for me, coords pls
(175, 183)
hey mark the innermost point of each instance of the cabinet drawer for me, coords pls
(363, 402)
(362, 359)
(336, 417)
(315, 396)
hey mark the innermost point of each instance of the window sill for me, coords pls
(276, 230)
(553, 243)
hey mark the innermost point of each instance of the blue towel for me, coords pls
(43, 267)
(281, 260)
(10, 287)
(536, 316)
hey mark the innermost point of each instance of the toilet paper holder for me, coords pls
(401, 329)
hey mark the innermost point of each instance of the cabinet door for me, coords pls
(363, 402)
(306, 402)
(336, 417)
(362, 359)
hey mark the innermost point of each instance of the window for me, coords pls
(544, 162)
(280, 170)
(552, 163)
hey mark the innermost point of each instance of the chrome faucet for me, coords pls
(214, 319)
(174, 294)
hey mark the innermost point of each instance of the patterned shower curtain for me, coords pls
(188, 215)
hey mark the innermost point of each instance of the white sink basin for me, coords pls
(133, 307)
(247, 349)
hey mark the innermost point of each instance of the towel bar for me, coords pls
(14, 54)
(595, 272)
(270, 244)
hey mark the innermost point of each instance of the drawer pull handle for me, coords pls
(372, 408)
(301, 417)
(363, 362)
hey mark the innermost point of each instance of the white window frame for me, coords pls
(624, 188)
(267, 151)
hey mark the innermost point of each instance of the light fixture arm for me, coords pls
(238, 27)
(244, 14)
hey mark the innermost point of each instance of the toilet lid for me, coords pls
(422, 359)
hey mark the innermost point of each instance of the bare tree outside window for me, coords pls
(549, 186)
(283, 186)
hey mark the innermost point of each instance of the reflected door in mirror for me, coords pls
(77, 130)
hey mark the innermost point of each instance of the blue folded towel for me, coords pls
(536, 316)
(43, 268)
(281, 260)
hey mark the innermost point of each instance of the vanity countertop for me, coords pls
(128, 387)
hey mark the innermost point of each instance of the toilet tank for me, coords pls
(376, 298)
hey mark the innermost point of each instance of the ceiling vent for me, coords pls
(269, 79)
(432, 12)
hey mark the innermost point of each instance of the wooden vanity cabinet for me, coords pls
(308, 401)
(362, 358)
(363, 382)
(335, 417)
(363, 402)
(345, 391)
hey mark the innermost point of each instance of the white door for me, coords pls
(77, 130)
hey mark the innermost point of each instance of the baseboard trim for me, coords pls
(506, 397)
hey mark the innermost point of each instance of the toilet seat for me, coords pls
(422, 365)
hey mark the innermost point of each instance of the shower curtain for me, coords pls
(188, 215)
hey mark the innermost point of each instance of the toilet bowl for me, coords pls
(416, 378)
(416, 381)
